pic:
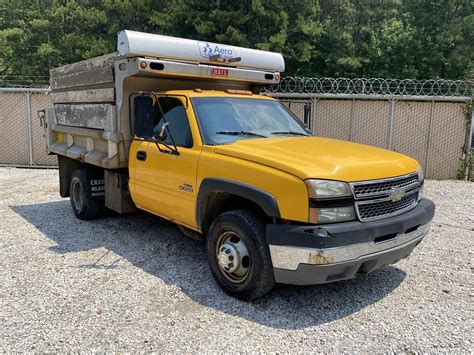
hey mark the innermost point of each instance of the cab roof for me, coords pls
(213, 93)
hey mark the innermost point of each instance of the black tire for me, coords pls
(82, 205)
(259, 279)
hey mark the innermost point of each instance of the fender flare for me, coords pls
(265, 200)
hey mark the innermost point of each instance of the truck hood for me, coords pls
(322, 158)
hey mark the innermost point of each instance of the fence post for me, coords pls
(313, 115)
(390, 127)
(468, 145)
(428, 148)
(351, 122)
(30, 127)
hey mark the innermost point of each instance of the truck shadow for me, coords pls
(158, 247)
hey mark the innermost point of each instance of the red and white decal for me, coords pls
(219, 72)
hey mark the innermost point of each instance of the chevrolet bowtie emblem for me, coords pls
(396, 195)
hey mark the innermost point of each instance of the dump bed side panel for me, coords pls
(87, 95)
(85, 66)
(83, 121)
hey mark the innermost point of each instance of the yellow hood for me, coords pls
(322, 158)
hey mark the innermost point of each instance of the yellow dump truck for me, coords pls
(177, 128)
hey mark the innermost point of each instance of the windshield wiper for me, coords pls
(293, 133)
(241, 133)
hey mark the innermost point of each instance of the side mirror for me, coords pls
(160, 140)
(163, 132)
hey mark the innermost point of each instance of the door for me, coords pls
(162, 182)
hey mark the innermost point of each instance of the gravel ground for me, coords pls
(134, 283)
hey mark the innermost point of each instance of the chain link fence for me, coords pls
(21, 135)
(428, 120)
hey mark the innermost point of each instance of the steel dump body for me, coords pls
(90, 120)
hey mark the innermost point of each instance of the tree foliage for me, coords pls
(349, 38)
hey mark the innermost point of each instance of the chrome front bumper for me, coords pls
(289, 258)
(315, 254)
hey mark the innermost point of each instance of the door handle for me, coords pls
(141, 155)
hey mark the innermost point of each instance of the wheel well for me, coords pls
(66, 167)
(217, 203)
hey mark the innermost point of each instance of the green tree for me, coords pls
(443, 32)
(39, 35)
(290, 27)
(337, 38)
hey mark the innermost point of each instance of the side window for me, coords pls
(175, 115)
(148, 119)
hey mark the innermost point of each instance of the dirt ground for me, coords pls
(135, 283)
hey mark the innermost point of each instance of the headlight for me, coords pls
(421, 179)
(327, 188)
(321, 192)
(331, 214)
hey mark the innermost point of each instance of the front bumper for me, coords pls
(318, 254)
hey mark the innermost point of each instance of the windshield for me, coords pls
(224, 120)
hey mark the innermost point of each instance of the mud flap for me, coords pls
(96, 183)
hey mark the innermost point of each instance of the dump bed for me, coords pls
(83, 121)
(90, 120)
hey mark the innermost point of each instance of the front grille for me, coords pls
(376, 210)
(371, 188)
(383, 198)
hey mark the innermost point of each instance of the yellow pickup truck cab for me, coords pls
(273, 202)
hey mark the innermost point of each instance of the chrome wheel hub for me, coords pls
(228, 257)
(232, 257)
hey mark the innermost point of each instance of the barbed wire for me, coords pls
(9, 84)
(372, 86)
(24, 81)
(362, 86)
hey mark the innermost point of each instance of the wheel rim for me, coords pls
(77, 195)
(232, 257)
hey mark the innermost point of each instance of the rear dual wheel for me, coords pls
(83, 206)
(238, 254)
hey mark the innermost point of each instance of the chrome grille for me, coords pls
(380, 187)
(379, 199)
(375, 210)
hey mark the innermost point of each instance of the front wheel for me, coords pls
(238, 255)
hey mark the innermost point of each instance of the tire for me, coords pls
(83, 206)
(254, 276)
